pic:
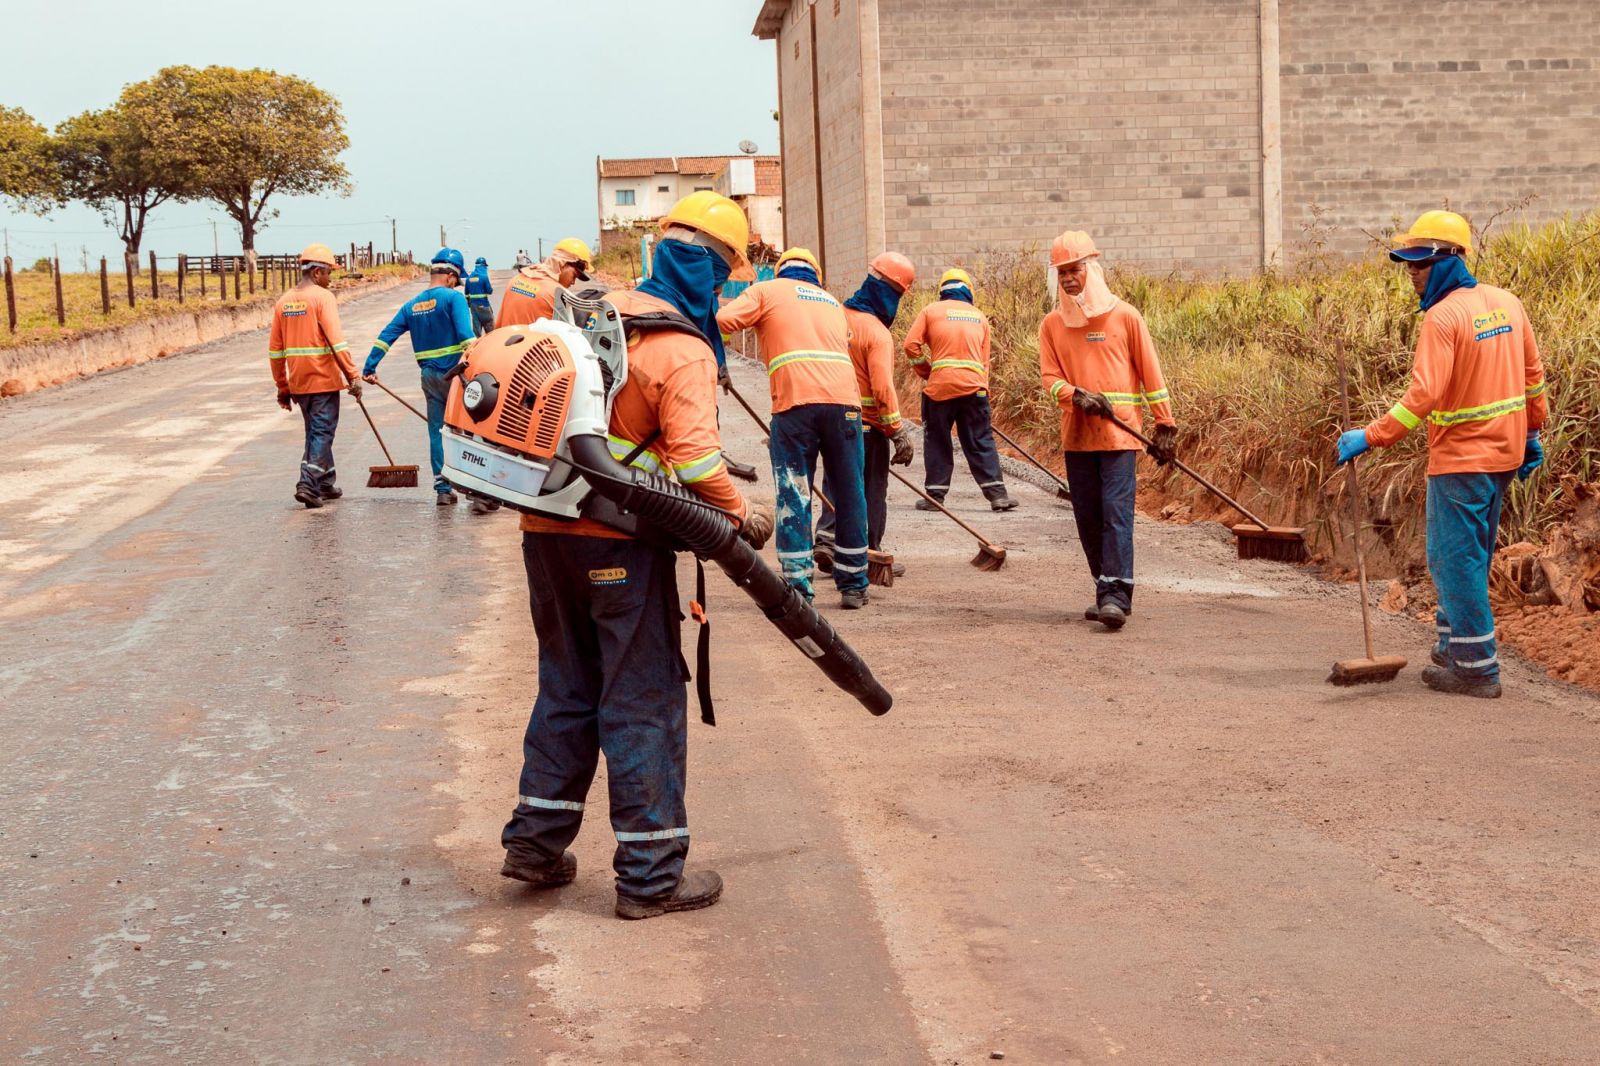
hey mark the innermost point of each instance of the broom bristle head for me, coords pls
(392, 477)
(990, 557)
(1366, 671)
(1278, 544)
(880, 569)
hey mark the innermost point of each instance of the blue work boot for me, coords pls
(1448, 679)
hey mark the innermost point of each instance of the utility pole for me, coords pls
(442, 242)
(215, 250)
(541, 249)
(394, 243)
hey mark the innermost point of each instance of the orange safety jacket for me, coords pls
(804, 342)
(530, 297)
(948, 346)
(1477, 381)
(307, 348)
(671, 389)
(872, 352)
(1111, 354)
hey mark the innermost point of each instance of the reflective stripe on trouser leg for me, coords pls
(1102, 485)
(839, 432)
(794, 447)
(320, 413)
(938, 459)
(1463, 521)
(977, 443)
(436, 389)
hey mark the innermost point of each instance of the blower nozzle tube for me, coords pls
(706, 532)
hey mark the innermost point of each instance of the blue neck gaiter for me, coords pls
(877, 298)
(956, 291)
(1446, 277)
(800, 272)
(689, 277)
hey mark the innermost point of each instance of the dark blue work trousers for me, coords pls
(969, 415)
(482, 317)
(1103, 485)
(436, 390)
(799, 436)
(875, 451)
(1463, 524)
(320, 412)
(611, 679)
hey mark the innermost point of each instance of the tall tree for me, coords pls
(27, 162)
(242, 137)
(111, 161)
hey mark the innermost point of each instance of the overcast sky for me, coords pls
(485, 111)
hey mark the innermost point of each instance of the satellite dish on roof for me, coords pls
(748, 147)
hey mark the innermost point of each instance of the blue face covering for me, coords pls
(797, 271)
(956, 291)
(877, 298)
(1446, 277)
(689, 277)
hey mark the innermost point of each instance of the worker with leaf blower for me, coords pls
(440, 325)
(948, 346)
(868, 315)
(605, 604)
(479, 288)
(816, 411)
(311, 364)
(532, 294)
(1097, 360)
(1478, 382)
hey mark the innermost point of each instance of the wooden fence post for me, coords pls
(155, 279)
(236, 281)
(250, 269)
(105, 288)
(183, 268)
(11, 299)
(129, 261)
(61, 307)
(205, 268)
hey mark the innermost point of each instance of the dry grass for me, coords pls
(1251, 368)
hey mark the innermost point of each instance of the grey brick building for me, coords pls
(1188, 134)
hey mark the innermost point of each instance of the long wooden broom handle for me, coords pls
(1029, 456)
(375, 433)
(1358, 510)
(768, 431)
(1181, 465)
(403, 403)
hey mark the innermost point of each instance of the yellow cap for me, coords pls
(576, 249)
(717, 217)
(956, 274)
(800, 255)
(1445, 227)
(320, 254)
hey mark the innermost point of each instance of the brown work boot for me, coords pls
(699, 889)
(542, 875)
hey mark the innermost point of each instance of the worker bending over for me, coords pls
(1096, 358)
(868, 315)
(479, 288)
(605, 605)
(311, 363)
(1479, 384)
(532, 294)
(441, 329)
(948, 346)
(816, 411)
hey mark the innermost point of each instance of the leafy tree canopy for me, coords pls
(27, 162)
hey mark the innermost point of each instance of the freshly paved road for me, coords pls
(257, 759)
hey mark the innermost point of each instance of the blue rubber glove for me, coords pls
(1532, 457)
(1352, 442)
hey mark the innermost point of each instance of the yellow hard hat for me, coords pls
(717, 217)
(320, 254)
(801, 255)
(956, 274)
(573, 248)
(1433, 229)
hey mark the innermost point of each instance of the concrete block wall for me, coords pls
(1391, 106)
(1007, 121)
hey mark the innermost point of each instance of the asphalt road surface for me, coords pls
(256, 760)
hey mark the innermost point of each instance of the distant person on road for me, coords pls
(948, 346)
(532, 294)
(479, 289)
(1478, 382)
(605, 604)
(440, 325)
(868, 315)
(816, 413)
(1096, 358)
(523, 259)
(311, 364)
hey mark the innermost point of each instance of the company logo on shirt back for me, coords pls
(293, 309)
(525, 288)
(965, 316)
(1491, 324)
(805, 292)
(422, 307)
(1096, 335)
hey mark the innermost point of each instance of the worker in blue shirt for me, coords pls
(479, 289)
(441, 329)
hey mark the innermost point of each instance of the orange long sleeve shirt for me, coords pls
(1477, 381)
(872, 352)
(530, 297)
(948, 346)
(804, 342)
(671, 387)
(1112, 354)
(306, 347)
